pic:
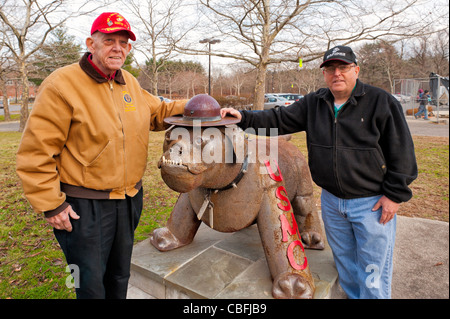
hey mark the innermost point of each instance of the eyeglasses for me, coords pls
(343, 68)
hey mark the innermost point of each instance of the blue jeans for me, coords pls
(362, 247)
(422, 110)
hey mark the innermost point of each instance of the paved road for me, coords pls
(428, 128)
(9, 126)
(13, 109)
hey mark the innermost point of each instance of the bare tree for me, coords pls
(160, 28)
(264, 32)
(430, 54)
(308, 80)
(255, 25)
(440, 48)
(188, 81)
(28, 23)
(5, 68)
(238, 77)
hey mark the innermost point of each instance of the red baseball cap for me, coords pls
(110, 22)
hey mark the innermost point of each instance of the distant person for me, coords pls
(83, 154)
(419, 95)
(424, 98)
(361, 153)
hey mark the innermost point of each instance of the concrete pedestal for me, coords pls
(219, 265)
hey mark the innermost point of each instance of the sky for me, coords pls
(80, 26)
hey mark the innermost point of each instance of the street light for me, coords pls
(209, 41)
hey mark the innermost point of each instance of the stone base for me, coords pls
(220, 265)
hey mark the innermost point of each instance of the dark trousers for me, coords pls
(100, 245)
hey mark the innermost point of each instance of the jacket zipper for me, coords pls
(336, 155)
(111, 82)
(335, 131)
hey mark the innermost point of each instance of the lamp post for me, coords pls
(209, 41)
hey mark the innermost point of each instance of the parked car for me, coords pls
(402, 98)
(164, 99)
(290, 96)
(397, 97)
(271, 101)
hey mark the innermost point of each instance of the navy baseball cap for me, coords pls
(339, 53)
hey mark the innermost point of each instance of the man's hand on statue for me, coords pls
(231, 111)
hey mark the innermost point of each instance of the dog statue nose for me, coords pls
(176, 151)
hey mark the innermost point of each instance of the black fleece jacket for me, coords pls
(365, 150)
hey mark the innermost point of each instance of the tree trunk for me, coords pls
(155, 84)
(5, 102)
(25, 96)
(154, 78)
(260, 87)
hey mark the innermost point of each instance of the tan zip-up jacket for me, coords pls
(88, 136)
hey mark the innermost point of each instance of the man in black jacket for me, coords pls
(360, 152)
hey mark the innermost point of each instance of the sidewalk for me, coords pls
(421, 264)
(12, 126)
(421, 268)
(428, 128)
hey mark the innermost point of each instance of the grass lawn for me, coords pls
(33, 266)
(14, 117)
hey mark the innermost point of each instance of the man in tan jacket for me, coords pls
(83, 154)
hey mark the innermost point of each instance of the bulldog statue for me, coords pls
(229, 179)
